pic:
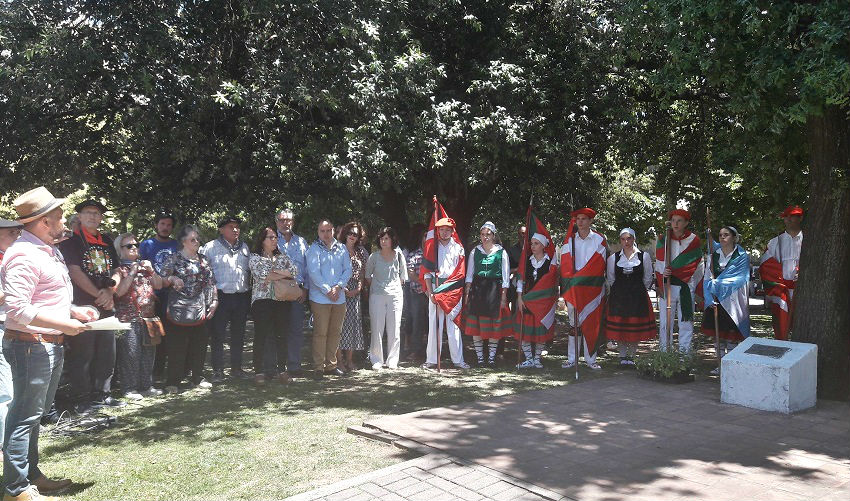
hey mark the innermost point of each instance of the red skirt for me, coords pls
(631, 329)
(526, 328)
(489, 327)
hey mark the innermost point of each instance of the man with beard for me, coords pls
(156, 250)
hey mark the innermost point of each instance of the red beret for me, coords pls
(446, 221)
(792, 210)
(679, 212)
(587, 211)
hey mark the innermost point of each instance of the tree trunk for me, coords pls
(822, 301)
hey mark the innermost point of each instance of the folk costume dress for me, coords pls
(630, 318)
(687, 271)
(488, 273)
(535, 324)
(730, 289)
(778, 271)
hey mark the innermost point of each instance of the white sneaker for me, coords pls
(594, 366)
(527, 364)
(462, 365)
(568, 365)
(377, 366)
(152, 392)
(204, 384)
(132, 395)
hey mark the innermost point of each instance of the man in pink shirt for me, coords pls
(39, 314)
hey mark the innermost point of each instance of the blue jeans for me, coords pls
(6, 391)
(296, 336)
(232, 309)
(36, 368)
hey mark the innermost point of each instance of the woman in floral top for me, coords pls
(134, 300)
(271, 317)
(191, 279)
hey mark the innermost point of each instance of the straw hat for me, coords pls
(35, 203)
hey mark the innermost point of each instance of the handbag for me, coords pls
(186, 311)
(285, 289)
(155, 331)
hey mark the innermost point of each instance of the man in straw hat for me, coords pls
(38, 292)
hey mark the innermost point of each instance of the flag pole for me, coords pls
(668, 287)
(575, 311)
(434, 280)
(715, 304)
(523, 254)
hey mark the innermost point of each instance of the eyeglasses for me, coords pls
(130, 246)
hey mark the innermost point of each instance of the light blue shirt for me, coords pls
(296, 249)
(326, 268)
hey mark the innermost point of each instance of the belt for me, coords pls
(32, 337)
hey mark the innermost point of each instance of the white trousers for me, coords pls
(571, 351)
(686, 329)
(385, 312)
(436, 320)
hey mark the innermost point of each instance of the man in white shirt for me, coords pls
(449, 255)
(591, 252)
(684, 269)
(229, 257)
(785, 249)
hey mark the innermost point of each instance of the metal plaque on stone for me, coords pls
(767, 350)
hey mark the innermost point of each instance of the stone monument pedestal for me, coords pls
(770, 375)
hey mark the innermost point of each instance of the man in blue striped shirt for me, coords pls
(295, 247)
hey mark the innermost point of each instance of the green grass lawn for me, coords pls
(246, 442)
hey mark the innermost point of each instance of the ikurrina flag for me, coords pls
(448, 292)
(682, 267)
(583, 284)
(540, 292)
(729, 289)
(777, 292)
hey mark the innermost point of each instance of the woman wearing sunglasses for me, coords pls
(134, 302)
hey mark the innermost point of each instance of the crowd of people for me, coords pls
(175, 296)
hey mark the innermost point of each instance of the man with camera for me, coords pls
(92, 265)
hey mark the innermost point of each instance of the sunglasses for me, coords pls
(130, 246)
(353, 234)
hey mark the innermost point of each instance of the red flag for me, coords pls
(584, 288)
(449, 292)
(539, 300)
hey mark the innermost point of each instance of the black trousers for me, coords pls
(186, 341)
(271, 331)
(91, 364)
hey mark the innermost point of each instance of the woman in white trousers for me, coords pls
(386, 271)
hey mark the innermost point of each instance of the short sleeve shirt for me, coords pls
(97, 261)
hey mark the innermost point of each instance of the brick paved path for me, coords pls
(626, 438)
(433, 477)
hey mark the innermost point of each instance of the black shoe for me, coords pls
(108, 401)
(296, 373)
(217, 377)
(335, 372)
(240, 374)
(491, 364)
(318, 375)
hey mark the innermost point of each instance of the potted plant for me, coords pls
(665, 366)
